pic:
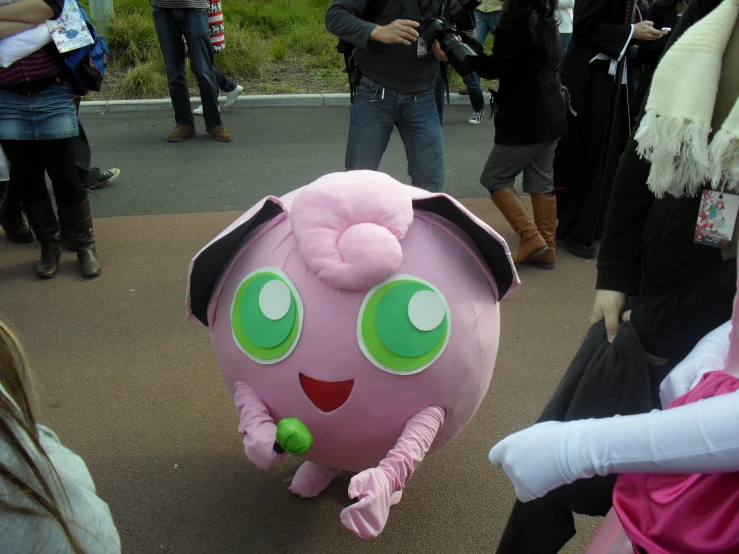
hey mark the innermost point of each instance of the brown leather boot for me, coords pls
(78, 222)
(43, 221)
(220, 133)
(531, 244)
(180, 133)
(545, 217)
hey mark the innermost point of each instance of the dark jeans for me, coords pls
(566, 37)
(485, 23)
(375, 111)
(171, 24)
(474, 87)
(31, 160)
(88, 174)
(224, 83)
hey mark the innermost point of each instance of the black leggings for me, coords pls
(30, 160)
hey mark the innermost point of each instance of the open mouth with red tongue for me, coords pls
(327, 396)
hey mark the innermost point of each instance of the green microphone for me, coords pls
(293, 437)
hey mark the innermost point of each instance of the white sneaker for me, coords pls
(233, 95)
(476, 118)
(199, 110)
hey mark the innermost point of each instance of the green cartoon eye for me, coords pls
(267, 316)
(404, 325)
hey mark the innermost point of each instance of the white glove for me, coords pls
(696, 438)
(708, 355)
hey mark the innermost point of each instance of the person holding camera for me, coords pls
(530, 118)
(393, 75)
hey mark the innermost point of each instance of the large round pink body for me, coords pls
(328, 359)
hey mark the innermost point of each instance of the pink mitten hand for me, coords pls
(381, 487)
(256, 426)
(374, 489)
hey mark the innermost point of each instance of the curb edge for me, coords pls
(244, 102)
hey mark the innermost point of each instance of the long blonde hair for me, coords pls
(16, 412)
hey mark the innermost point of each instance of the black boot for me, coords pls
(64, 232)
(78, 223)
(43, 221)
(11, 217)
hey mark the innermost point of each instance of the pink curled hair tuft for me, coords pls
(348, 227)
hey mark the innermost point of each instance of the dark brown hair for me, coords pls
(16, 414)
(539, 12)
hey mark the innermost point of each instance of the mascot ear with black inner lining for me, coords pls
(208, 265)
(210, 262)
(493, 252)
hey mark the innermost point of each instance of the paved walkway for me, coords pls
(132, 386)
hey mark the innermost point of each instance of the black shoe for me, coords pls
(577, 248)
(106, 177)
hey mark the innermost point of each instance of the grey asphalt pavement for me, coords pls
(274, 151)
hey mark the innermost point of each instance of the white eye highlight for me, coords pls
(426, 310)
(275, 300)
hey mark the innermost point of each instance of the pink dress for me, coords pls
(683, 514)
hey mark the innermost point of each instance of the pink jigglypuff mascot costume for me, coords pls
(356, 321)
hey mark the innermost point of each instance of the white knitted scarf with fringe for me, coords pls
(674, 132)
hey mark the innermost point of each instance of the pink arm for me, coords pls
(256, 427)
(380, 487)
(412, 446)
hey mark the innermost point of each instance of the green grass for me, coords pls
(261, 35)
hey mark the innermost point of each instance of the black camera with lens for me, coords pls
(461, 17)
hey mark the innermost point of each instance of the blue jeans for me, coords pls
(485, 24)
(224, 83)
(171, 24)
(566, 37)
(375, 111)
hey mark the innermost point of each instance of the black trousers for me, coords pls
(31, 160)
(603, 380)
(10, 193)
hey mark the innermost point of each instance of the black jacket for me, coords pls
(529, 108)
(663, 13)
(648, 250)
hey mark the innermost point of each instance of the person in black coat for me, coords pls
(669, 290)
(587, 156)
(530, 118)
(663, 14)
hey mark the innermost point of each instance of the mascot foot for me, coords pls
(373, 489)
(311, 479)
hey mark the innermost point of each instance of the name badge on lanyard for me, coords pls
(717, 220)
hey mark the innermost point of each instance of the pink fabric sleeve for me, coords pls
(256, 427)
(380, 488)
(411, 448)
